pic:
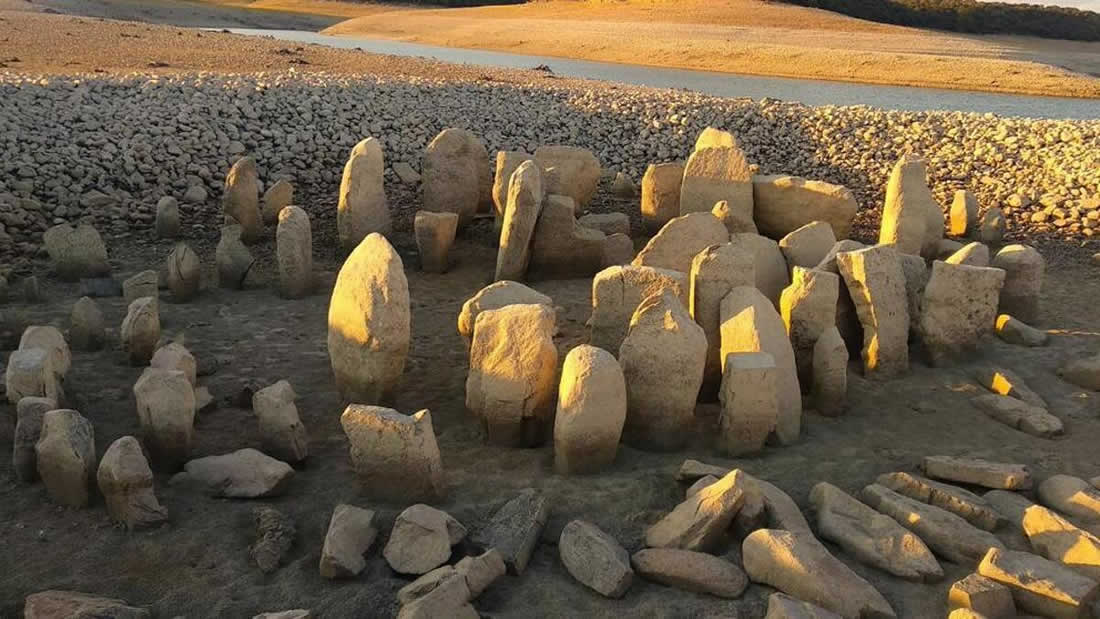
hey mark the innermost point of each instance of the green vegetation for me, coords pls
(971, 16)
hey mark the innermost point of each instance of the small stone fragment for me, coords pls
(973, 254)
(233, 259)
(56, 604)
(277, 197)
(595, 559)
(421, 539)
(87, 332)
(275, 533)
(1022, 293)
(1084, 373)
(481, 571)
(449, 598)
(991, 229)
(184, 273)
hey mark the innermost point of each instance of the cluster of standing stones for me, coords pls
(749, 293)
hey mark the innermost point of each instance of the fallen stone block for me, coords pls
(577, 171)
(496, 296)
(1072, 496)
(1019, 415)
(1084, 373)
(973, 254)
(782, 204)
(807, 246)
(1007, 383)
(677, 243)
(595, 559)
(783, 606)
(978, 472)
(982, 595)
(395, 456)
(971, 507)
(143, 284)
(242, 474)
(514, 529)
(691, 571)
(54, 604)
(350, 534)
(450, 598)
(421, 539)
(1017, 332)
(699, 522)
(1040, 586)
(275, 532)
(562, 248)
(608, 223)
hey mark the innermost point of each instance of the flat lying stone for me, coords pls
(1084, 373)
(450, 599)
(481, 571)
(1019, 333)
(870, 537)
(783, 606)
(421, 539)
(692, 470)
(595, 559)
(956, 500)
(1051, 535)
(699, 522)
(1040, 586)
(691, 571)
(1019, 415)
(296, 613)
(55, 604)
(1071, 495)
(242, 474)
(515, 529)
(982, 595)
(1006, 382)
(946, 534)
(978, 472)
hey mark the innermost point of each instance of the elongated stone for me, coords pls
(964, 503)
(876, 283)
(1041, 586)
(978, 472)
(699, 522)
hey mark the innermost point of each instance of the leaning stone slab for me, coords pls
(166, 411)
(808, 307)
(514, 529)
(362, 209)
(506, 164)
(395, 456)
(678, 242)
(1019, 415)
(242, 474)
(1072, 496)
(1022, 292)
(718, 173)
(807, 246)
(595, 559)
(496, 296)
(30, 373)
(1019, 333)
(782, 204)
(481, 571)
(54, 604)
(714, 272)
(562, 248)
(661, 186)
(946, 534)
(830, 373)
(126, 482)
(959, 307)
(451, 174)
(513, 370)
(1040, 586)
(282, 434)
(435, 234)
(1084, 373)
(591, 411)
(369, 322)
(800, 566)
(876, 283)
(783, 606)
(421, 539)
(616, 294)
(978, 472)
(521, 214)
(691, 571)
(911, 219)
(699, 522)
(76, 252)
(870, 537)
(982, 595)
(294, 252)
(1050, 535)
(52, 341)
(65, 454)
(750, 403)
(28, 429)
(576, 171)
(350, 534)
(973, 508)
(241, 199)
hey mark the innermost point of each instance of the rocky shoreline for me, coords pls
(106, 148)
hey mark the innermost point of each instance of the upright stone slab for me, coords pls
(750, 403)
(876, 283)
(30, 373)
(140, 330)
(525, 198)
(369, 322)
(562, 248)
(241, 199)
(350, 534)
(719, 173)
(661, 194)
(166, 411)
(829, 389)
(808, 307)
(282, 433)
(277, 197)
(1041, 586)
(496, 296)
(807, 246)
(28, 428)
(294, 251)
(783, 204)
(51, 340)
(973, 254)
(958, 308)
(167, 221)
(678, 242)
(175, 356)
(912, 220)
(126, 482)
(618, 249)
(184, 273)
(662, 359)
(143, 284)
(772, 275)
(450, 174)
(506, 164)
(394, 455)
(595, 559)
(435, 234)
(591, 411)
(362, 209)
(751, 324)
(514, 529)
(232, 258)
(714, 272)
(513, 371)
(65, 454)
(616, 293)
(963, 218)
(1023, 285)
(699, 522)
(847, 319)
(76, 251)
(577, 172)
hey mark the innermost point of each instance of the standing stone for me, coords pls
(369, 322)
(690, 571)
(451, 174)
(127, 485)
(561, 248)
(275, 533)
(847, 319)
(87, 332)
(973, 508)
(978, 472)
(166, 410)
(662, 359)
(233, 259)
(294, 251)
(618, 249)
(76, 252)
(395, 456)
(1022, 292)
(946, 248)
(184, 273)
(242, 474)
(772, 275)
(699, 522)
(277, 197)
(74, 605)
(525, 197)
(783, 204)
(799, 565)
(751, 324)
(241, 200)
(143, 284)
(992, 228)
(140, 330)
(661, 194)
(65, 454)
(496, 296)
(362, 209)
(435, 234)
(982, 595)
(750, 403)
(618, 291)
(1017, 332)
(506, 164)
(808, 245)
(830, 374)
(714, 272)
(973, 254)
(168, 218)
(964, 215)
(175, 356)
(1050, 535)
(577, 172)
(53, 342)
(958, 308)
(719, 173)
(595, 559)
(916, 275)
(31, 373)
(28, 428)
(1040, 586)
(421, 539)
(513, 367)
(282, 433)
(1072, 496)
(515, 528)
(871, 537)
(876, 283)
(678, 242)
(912, 220)
(808, 307)
(350, 534)
(591, 411)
